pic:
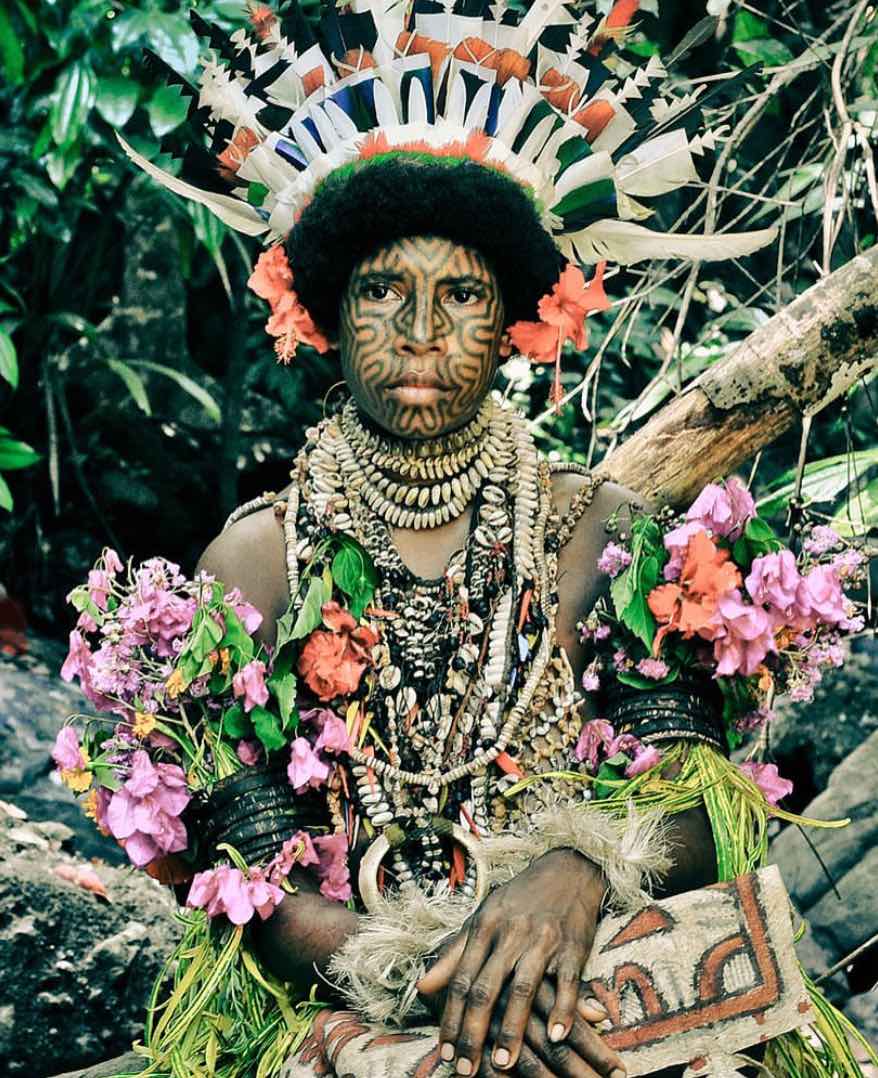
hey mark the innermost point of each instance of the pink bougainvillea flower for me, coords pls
(99, 584)
(645, 757)
(111, 560)
(742, 635)
(820, 596)
(773, 583)
(821, 539)
(768, 780)
(144, 814)
(249, 752)
(298, 850)
(333, 871)
(249, 682)
(594, 737)
(333, 736)
(724, 510)
(305, 769)
(655, 669)
(226, 890)
(66, 752)
(613, 560)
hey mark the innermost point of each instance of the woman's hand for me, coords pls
(542, 922)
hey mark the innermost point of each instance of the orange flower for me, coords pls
(688, 607)
(272, 277)
(572, 300)
(332, 663)
(536, 340)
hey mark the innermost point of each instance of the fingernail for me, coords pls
(605, 1026)
(619, 1072)
(465, 1067)
(447, 1051)
(556, 1032)
(594, 1005)
(501, 1057)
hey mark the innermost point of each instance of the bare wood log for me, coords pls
(803, 358)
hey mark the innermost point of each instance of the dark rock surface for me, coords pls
(78, 966)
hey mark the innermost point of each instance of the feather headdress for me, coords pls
(546, 97)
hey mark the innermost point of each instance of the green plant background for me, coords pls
(139, 393)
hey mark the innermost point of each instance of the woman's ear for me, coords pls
(506, 348)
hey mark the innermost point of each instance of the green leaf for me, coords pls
(823, 480)
(133, 382)
(166, 110)
(637, 681)
(5, 495)
(73, 98)
(353, 572)
(128, 28)
(11, 52)
(748, 26)
(283, 686)
(769, 50)
(235, 723)
(607, 773)
(117, 99)
(8, 360)
(859, 514)
(236, 637)
(310, 614)
(61, 164)
(267, 729)
(15, 454)
(174, 40)
(185, 383)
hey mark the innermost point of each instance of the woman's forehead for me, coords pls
(432, 256)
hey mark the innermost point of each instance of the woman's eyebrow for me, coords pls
(464, 278)
(379, 275)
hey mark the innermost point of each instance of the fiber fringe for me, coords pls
(377, 969)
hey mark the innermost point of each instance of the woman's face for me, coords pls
(421, 331)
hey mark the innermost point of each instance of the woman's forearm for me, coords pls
(692, 849)
(304, 931)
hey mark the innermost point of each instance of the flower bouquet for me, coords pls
(203, 759)
(714, 605)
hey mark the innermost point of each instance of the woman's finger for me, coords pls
(567, 974)
(523, 987)
(440, 973)
(582, 1039)
(481, 1001)
(592, 1010)
(479, 943)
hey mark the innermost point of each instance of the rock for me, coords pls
(809, 741)
(84, 965)
(852, 794)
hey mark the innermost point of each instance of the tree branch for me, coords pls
(806, 356)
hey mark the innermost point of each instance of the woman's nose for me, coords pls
(422, 327)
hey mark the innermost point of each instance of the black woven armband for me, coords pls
(681, 711)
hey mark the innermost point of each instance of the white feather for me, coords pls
(509, 102)
(306, 142)
(540, 15)
(536, 140)
(385, 108)
(477, 113)
(455, 105)
(619, 128)
(231, 211)
(325, 128)
(417, 105)
(598, 166)
(343, 124)
(660, 165)
(514, 119)
(625, 243)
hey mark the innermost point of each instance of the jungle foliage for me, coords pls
(140, 398)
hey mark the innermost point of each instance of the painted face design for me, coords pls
(420, 335)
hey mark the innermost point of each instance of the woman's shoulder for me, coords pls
(585, 501)
(249, 554)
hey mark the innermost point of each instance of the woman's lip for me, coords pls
(417, 394)
(419, 382)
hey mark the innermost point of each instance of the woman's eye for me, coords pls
(377, 291)
(465, 297)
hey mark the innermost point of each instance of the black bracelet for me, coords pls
(682, 711)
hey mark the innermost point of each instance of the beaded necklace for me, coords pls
(454, 649)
